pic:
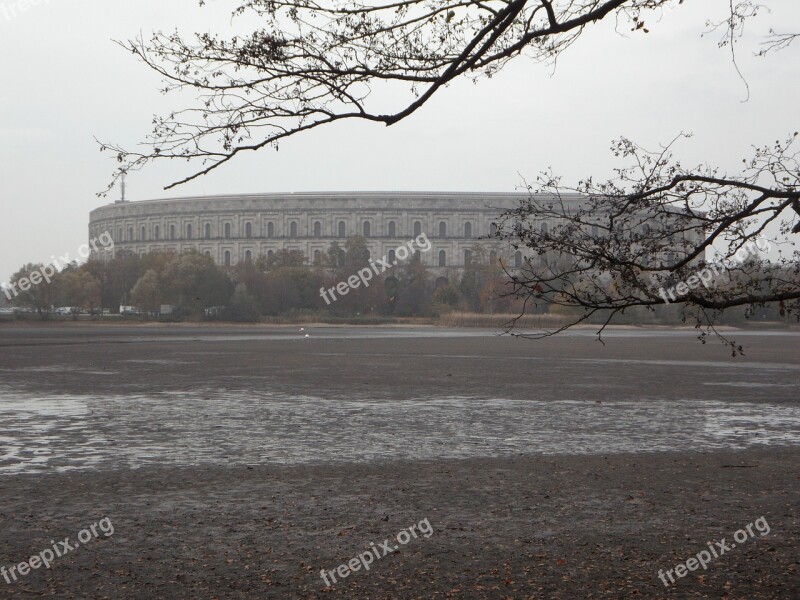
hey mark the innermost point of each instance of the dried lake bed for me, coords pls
(508, 446)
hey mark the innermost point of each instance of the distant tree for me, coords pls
(386, 303)
(496, 294)
(280, 294)
(285, 258)
(146, 294)
(243, 306)
(97, 269)
(32, 290)
(335, 257)
(447, 295)
(254, 276)
(120, 274)
(281, 283)
(471, 278)
(356, 254)
(291, 289)
(361, 299)
(193, 282)
(79, 288)
(414, 293)
(481, 280)
(307, 282)
(156, 261)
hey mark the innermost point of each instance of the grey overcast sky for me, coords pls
(63, 81)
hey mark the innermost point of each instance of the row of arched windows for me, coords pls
(341, 230)
(248, 255)
(392, 257)
(269, 230)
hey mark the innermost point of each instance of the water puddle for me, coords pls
(210, 426)
(58, 369)
(156, 361)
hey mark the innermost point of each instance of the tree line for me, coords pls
(284, 283)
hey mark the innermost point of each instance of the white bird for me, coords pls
(302, 329)
(308, 336)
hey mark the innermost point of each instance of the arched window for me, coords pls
(467, 258)
(317, 229)
(248, 256)
(208, 231)
(189, 231)
(270, 254)
(248, 230)
(442, 258)
(544, 228)
(130, 234)
(518, 259)
(342, 257)
(208, 253)
(143, 234)
(442, 229)
(227, 258)
(392, 258)
(119, 234)
(417, 228)
(172, 232)
(417, 256)
(367, 228)
(492, 257)
(595, 231)
(270, 229)
(156, 232)
(467, 229)
(227, 230)
(293, 229)
(493, 229)
(392, 229)
(342, 231)
(317, 257)
(646, 230)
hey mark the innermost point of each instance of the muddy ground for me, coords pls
(289, 471)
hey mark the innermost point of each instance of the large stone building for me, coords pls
(235, 228)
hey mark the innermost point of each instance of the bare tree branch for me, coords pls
(777, 41)
(658, 234)
(314, 63)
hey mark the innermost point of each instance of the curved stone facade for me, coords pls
(231, 229)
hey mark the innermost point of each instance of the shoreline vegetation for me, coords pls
(285, 289)
(454, 320)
